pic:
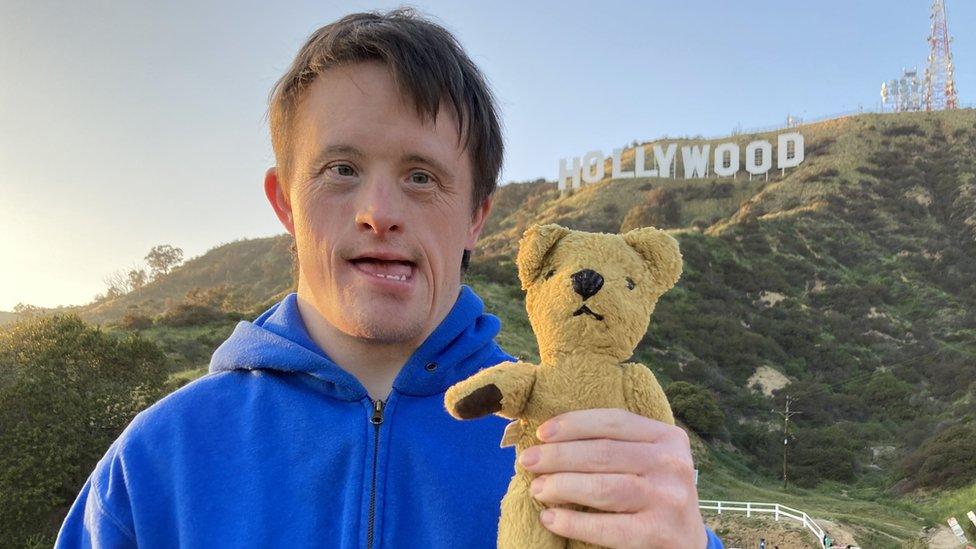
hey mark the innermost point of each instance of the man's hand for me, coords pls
(637, 469)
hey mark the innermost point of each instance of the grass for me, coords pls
(938, 507)
(179, 379)
(507, 303)
(189, 347)
(885, 522)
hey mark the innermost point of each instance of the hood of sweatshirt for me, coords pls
(278, 340)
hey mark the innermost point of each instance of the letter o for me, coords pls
(720, 169)
(767, 157)
(589, 174)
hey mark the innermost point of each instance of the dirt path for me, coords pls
(942, 538)
(841, 534)
(742, 531)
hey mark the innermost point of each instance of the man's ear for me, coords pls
(660, 252)
(478, 219)
(533, 249)
(277, 195)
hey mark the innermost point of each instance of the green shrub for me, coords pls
(828, 453)
(497, 269)
(190, 314)
(945, 460)
(903, 130)
(135, 321)
(889, 397)
(696, 407)
(660, 209)
(67, 390)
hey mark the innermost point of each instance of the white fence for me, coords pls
(775, 509)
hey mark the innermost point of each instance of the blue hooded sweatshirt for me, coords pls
(278, 446)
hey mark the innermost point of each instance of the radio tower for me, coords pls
(940, 85)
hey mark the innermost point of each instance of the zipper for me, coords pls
(376, 420)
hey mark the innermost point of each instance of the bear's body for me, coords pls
(587, 319)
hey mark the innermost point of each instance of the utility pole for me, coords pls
(786, 414)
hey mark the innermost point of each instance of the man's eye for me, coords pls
(420, 177)
(345, 170)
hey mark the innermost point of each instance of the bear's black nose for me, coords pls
(587, 282)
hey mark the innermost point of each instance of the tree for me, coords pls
(121, 282)
(696, 407)
(27, 309)
(137, 278)
(117, 283)
(161, 259)
(67, 390)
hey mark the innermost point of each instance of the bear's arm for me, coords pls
(644, 395)
(503, 389)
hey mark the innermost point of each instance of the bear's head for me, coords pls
(594, 292)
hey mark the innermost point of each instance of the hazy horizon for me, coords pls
(126, 126)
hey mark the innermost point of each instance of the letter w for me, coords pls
(695, 160)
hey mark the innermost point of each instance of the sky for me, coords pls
(124, 125)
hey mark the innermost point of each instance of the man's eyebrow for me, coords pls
(335, 149)
(430, 161)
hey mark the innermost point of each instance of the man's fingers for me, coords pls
(609, 456)
(604, 529)
(604, 491)
(590, 456)
(613, 423)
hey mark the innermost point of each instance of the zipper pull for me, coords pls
(377, 412)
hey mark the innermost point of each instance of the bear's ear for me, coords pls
(533, 248)
(660, 252)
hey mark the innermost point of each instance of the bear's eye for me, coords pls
(550, 273)
(630, 283)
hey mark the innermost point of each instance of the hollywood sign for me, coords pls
(590, 168)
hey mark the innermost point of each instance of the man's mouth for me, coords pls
(585, 309)
(399, 270)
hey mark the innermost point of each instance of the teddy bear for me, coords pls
(589, 298)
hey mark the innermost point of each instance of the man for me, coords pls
(321, 423)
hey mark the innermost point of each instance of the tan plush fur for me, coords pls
(582, 358)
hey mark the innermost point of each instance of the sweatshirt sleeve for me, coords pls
(713, 541)
(100, 516)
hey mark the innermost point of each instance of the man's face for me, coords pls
(380, 205)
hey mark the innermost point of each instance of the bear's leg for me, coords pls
(519, 526)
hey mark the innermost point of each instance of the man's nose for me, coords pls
(587, 282)
(380, 206)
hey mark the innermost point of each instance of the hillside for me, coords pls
(8, 317)
(858, 263)
(848, 283)
(852, 278)
(250, 273)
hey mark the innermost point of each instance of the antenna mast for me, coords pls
(940, 84)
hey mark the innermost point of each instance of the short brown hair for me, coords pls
(428, 66)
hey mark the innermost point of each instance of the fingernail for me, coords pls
(529, 457)
(548, 429)
(536, 486)
(547, 516)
